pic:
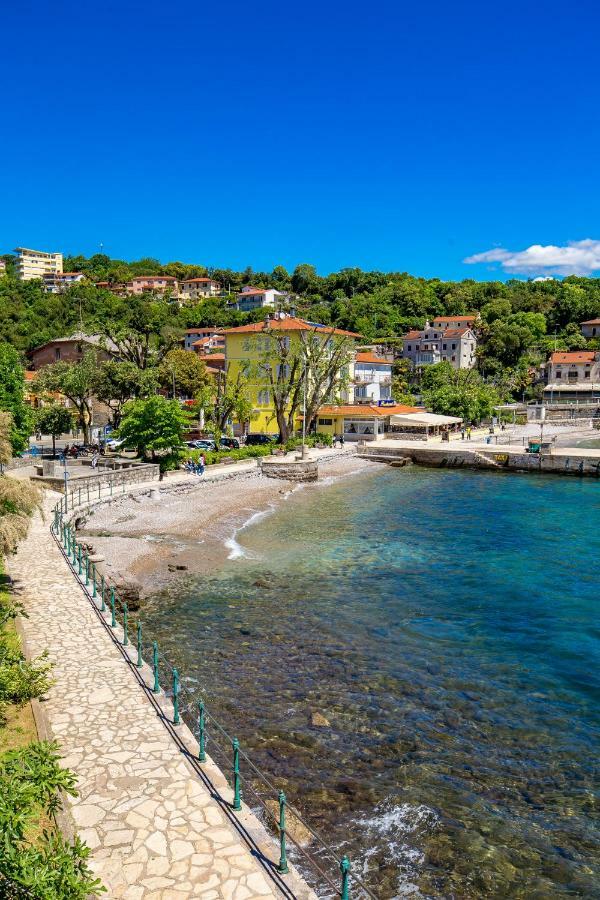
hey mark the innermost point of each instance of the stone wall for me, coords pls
(296, 470)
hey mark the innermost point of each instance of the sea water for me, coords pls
(444, 624)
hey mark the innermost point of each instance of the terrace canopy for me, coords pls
(424, 423)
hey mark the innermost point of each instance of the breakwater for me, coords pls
(562, 461)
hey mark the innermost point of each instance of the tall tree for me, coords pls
(228, 398)
(12, 397)
(77, 383)
(153, 424)
(54, 420)
(118, 382)
(183, 372)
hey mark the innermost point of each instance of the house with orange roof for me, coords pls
(159, 283)
(573, 375)
(193, 289)
(372, 377)
(254, 352)
(447, 339)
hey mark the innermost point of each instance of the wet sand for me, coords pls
(149, 539)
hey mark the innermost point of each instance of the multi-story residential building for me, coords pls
(56, 284)
(591, 328)
(443, 322)
(198, 288)
(448, 341)
(37, 263)
(158, 283)
(200, 333)
(372, 378)
(214, 342)
(248, 349)
(254, 298)
(71, 349)
(573, 375)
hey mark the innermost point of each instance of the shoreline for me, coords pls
(148, 541)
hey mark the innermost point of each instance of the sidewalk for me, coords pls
(155, 826)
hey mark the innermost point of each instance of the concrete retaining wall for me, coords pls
(294, 470)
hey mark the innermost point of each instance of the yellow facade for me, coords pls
(37, 263)
(247, 351)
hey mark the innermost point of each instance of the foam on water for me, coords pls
(236, 551)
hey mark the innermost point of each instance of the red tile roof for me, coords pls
(412, 335)
(591, 322)
(193, 280)
(455, 332)
(360, 411)
(372, 358)
(215, 357)
(574, 356)
(288, 324)
(470, 318)
(154, 278)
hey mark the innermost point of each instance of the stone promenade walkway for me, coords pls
(154, 828)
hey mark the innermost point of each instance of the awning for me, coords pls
(566, 387)
(424, 418)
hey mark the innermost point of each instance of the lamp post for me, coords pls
(304, 415)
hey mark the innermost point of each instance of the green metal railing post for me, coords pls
(140, 659)
(176, 719)
(201, 737)
(156, 688)
(283, 866)
(87, 568)
(79, 504)
(113, 618)
(93, 581)
(74, 546)
(102, 603)
(79, 560)
(345, 870)
(237, 801)
(125, 623)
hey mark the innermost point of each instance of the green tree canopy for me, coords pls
(53, 419)
(152, 424)
(77, 383)
(12, 397)
(184, 370)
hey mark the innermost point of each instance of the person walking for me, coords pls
(334, 440)
(95, 458)
(469, 433)
(341, 441)
(201, 464)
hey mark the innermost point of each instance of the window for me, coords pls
(325, 421)
(409, 347)
(559, 374)
(264, 398)
(454, 348)
(454, 359)
(587, 374)
(57, 353)
(444, 346)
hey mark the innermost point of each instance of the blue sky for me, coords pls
(388, 135)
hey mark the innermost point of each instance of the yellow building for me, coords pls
(247, 352)
(37, 263)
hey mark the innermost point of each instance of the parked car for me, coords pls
(114, 444)
(253, 440)
(204, 444)
(230, 443)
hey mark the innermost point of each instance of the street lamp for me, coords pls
(304, 415)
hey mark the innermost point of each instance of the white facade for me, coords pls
(573, 375)
(435, 344)
(198, 288)
(37, 263)
(591, 328)
(372, 378)
(55, 284)
(251, 298)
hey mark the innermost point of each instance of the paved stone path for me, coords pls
(154, 829)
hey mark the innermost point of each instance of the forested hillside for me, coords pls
(521, 320)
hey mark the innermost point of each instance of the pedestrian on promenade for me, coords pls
(342, 441)
(201, 464)
(334, 440)
(469, 433)
(95, 458)
(462, 433)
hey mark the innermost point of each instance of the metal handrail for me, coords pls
(112, 606)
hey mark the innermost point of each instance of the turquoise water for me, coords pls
(445, 623)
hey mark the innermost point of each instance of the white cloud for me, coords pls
(576, 258)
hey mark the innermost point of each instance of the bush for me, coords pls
(216, 456)
(31, 780)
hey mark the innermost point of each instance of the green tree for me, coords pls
(183, 371)
(152, 424)
(458, 392)
(226, 399)
(77, 383)
(12, 397)
(118, 382)
(53, 419)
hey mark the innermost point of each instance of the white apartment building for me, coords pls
(372, 378)
(37, 263)
(254, 298)
(198, 288)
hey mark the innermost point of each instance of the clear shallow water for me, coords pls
(445, 624)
